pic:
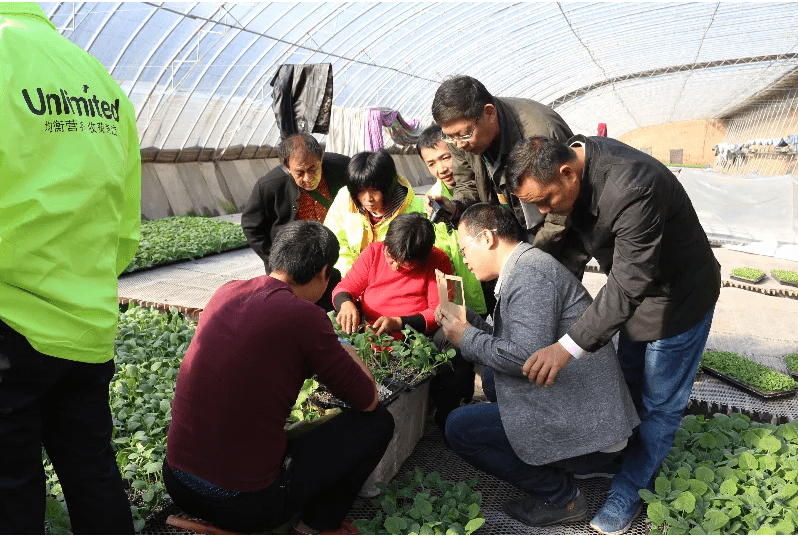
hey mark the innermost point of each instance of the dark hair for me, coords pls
(302, 249)
(371, 170)
(460, 97)
(299, 144)
(429, 138)
(539, 157)
(482, 216)
(409, 238)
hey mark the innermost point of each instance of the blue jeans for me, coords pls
(477, 435)
(660, 377)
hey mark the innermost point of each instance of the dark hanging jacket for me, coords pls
(302, 98)
(636, 219)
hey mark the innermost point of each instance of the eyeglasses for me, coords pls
(474, 239)
(466, 137)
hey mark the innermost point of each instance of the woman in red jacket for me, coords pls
(393, 281)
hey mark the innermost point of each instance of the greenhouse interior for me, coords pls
(693, 98)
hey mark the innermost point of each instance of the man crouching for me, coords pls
(532, 437)
(229, 460)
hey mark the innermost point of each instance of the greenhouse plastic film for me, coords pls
(746, 208)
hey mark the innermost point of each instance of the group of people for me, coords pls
(525, 205)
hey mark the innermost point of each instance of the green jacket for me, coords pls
(355, 232)
(70, 189)
(439, 188)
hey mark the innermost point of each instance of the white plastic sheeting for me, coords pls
(198, 73)
(759, 213)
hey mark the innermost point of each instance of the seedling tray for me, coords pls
(746, 280)
(782, 281)
(766, 395)
(388, 391)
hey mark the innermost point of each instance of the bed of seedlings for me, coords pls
(181, 238)
(749, 372)
(727, 475)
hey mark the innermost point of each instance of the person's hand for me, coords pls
(543, 366)
(452, 326)
(348, 317)
(387, 324)
(445, 203)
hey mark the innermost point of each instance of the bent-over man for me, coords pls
(630, 213)
(480, 130)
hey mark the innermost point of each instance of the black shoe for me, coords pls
(539, 513)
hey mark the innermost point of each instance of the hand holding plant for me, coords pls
(348, 317)
(387, 324)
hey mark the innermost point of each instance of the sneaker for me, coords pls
(607, 470)
(617, 515)
(539, 513)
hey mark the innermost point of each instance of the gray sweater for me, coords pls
(588, 407)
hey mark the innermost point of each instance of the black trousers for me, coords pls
(323, 471)
(62, 405)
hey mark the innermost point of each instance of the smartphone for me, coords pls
(438, 212)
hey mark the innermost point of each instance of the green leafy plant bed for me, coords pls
(419, 504)
(791, 360)
(182, 238)
(148, 351)
(759, 379)
(727, 475)
(751, 275)
(785, 277)
(411, 360)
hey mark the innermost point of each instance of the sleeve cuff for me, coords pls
(417, 322)
(574, 349)
(340, 298)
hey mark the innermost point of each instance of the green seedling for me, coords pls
(183, 238)
(791, 360)
(408, 360)
(747, 371)
(727, 475)
(752, 274)
(786, 275)
(425, 504)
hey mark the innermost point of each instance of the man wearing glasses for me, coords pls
(481, 130)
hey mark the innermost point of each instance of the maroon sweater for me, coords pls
(383, 292)
(255, 344)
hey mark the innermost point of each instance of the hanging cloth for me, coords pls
(302, 98)
(402, 132)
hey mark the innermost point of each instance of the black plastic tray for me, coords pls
(782, 281)
(746, 280)
(767, 395)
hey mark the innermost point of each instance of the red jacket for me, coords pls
(382, 291)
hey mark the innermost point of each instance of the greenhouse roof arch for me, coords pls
(199, 73)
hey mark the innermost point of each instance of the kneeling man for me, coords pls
(228, 459)
(533, 437)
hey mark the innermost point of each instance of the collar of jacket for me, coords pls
(24, 8)
(506, 273)
(585, 202)
(508, 130)
(408, 198)
(328, 175)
